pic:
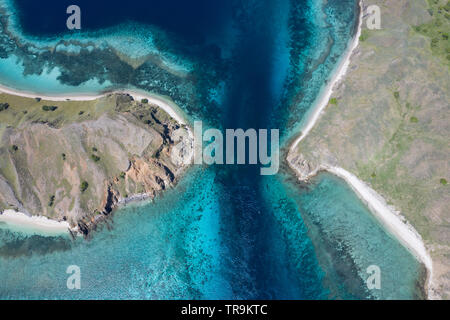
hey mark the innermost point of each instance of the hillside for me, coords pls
(388, 122)
(76, 160)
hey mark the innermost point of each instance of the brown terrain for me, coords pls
(388, 122)
(78, 161)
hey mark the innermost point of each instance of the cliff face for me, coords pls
(389, 122)
(76, 162)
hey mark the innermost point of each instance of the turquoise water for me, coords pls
(348, 240)
(177, 247)
(223, 231)
(167, 249)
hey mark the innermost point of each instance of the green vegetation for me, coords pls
(66, 112)
(14, 148)
(144, 100)
(414, 120)
(437, 29)
(364, 35)
(73, 111)
(95, 158)
(84, 185)
(4, 106)
(51, 201)
(397, 95)
(333, 101)
(443, 182)
(373, 175)
(49, 108)
(63, 156)
(94, 149)
(122, 175)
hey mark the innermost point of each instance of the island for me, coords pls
(67, 162)
(382, 124)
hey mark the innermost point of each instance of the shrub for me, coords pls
(364, 35)
(52, 200)
(443, 181)
(63, 156)
(14, 148)
(122, 175)
(94, 149)
(80, 113)
(49, 108)
(414, 120)
(144, 100)
(95, 158)
(84, 185)
(434, 42)
(333, 101)
(4, 106)
(396, 95)
(37, 99)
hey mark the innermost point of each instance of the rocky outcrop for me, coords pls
(304, 168)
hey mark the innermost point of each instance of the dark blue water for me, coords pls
(224, 231)
(191, 20)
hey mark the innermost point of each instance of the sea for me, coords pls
(224, 231)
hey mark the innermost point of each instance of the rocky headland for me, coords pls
(387, 123)
(75, 161)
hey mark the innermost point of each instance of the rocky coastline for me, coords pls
(78, 162)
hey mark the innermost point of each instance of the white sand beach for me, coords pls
(33, 224)
(388, 216)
